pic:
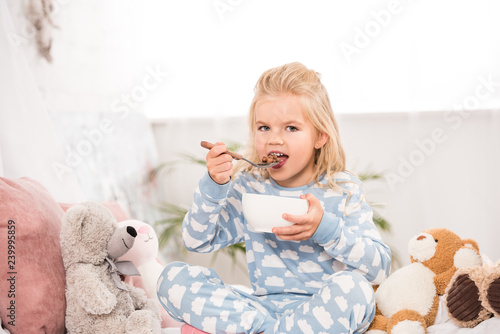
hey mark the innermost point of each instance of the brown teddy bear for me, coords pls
(407, 301)
(473, 295)
(97, 301)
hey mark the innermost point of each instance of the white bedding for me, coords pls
(490, 326)
(443, 324)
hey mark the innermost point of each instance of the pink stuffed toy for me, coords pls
(144, 255)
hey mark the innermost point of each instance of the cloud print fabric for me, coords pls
(326, 278)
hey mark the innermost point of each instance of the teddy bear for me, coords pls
(407, 301)
(473, 295)
(144, 255)
(97, 300)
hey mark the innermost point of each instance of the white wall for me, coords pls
(97, 63)
(402, 55)
(440, 169)
(438, 173)
(106, 54)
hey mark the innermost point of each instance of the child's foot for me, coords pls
(188, 329)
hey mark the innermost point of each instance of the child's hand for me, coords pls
(220, 166)
(305, 225)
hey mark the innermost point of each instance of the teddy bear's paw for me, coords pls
(493, 295)
(153, 306)
(138, 295)
(143, 322)
(408, 327)
(378, 325)
(463, 302)
(406, 321)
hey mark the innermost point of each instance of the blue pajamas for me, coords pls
(196, 295)
(319, 285)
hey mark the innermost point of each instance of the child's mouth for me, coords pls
(282, 157)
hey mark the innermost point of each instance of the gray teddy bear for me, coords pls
(97, 301)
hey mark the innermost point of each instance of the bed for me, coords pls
(443, 324)
(28, 203)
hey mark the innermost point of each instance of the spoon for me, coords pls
(237, 156)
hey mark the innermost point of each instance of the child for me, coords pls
(312, 277)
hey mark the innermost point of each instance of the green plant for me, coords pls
(171, 231)
(380, 221)
(171, 226)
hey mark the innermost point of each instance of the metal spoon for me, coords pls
(237, 156)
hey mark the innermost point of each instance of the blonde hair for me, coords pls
(298, 80)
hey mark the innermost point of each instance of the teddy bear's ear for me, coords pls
(468, 255)
(471, 243)
(74, 219)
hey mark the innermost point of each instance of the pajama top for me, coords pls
(346, 238)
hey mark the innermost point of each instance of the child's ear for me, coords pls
(322, 138)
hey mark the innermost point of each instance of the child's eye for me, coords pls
(263, 128)
(291, 128)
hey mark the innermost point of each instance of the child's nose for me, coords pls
(275, 138)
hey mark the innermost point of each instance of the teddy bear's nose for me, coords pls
(421, 237)
(131, 231)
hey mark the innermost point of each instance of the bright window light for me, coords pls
(374, 56)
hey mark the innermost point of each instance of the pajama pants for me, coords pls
(197, 296)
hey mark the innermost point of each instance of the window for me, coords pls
(374, 56)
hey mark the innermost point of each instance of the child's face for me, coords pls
(282, 128)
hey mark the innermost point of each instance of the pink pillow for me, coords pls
(33, 299)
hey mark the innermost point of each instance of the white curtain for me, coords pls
(28, 146)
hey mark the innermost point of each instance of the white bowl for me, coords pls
(264, 212)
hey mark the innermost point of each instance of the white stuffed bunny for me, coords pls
(144, 255)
